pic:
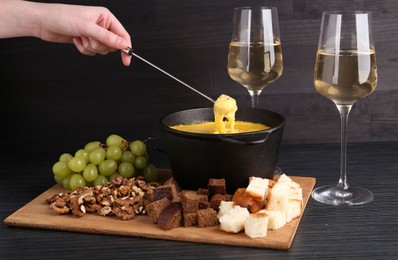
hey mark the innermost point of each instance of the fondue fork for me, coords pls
(129, 51)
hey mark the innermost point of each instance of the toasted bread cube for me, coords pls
(257, 188)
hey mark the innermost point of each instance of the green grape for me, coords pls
(140, 162)
(113, 152)
(127, 156)
(65, 157)
(77, 164)
(97, 155)
(114, 175)
(90, 173)
(92, 145)
(107, 167)
(65, 182)
(138, 148)
(82, 154)
(58, 179)
(126, 170)
(61, 169)
(76, 180)
(100, 180)
(151, 173)
(118, 141)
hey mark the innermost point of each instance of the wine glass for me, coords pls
(255, 53)
(345, 72)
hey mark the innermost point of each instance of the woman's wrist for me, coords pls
(22, 18)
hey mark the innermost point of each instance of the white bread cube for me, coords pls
(257, 188)
(278, 197)
(276, 219)
(224, 207)
(296, 192)
(294, 210)
(233, 220)
(256, 225)
(284, 178)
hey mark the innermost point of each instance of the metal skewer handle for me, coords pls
(129, 51)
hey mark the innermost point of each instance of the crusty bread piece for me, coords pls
(224, 207)
(233, 220)
(278, 197)
(240, 198)
(294, 209)
(256, 225)
(257, 188)
(276, 218)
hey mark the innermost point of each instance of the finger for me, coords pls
(126, 59)
(96, 46)
(114, 37)
(78, 42)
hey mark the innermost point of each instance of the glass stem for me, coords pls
(254, 94)
(344, 112)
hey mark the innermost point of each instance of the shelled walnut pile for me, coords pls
(123, 197)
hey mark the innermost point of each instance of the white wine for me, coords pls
(347, 77)
(255, 65)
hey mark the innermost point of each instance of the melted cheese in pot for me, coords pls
(210, 128)
(224, 120)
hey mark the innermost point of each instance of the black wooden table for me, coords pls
(369, 231)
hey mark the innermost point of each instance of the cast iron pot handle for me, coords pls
(245, 140)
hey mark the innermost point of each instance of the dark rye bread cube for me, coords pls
(190, 219)
(165, 191)
(204, 204)
(190, 200)
(171, 217)
(207, 217)
(215, 201)
(203, 191)
(216, 186)
(154, 209)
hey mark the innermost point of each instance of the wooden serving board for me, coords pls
(38, 214)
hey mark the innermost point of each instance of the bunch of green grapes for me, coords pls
(98, 163)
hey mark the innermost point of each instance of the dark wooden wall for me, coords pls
(54, 99)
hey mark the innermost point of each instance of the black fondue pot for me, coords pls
(194, 157)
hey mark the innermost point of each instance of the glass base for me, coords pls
(333, 195)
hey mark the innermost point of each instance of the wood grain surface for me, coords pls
(38, 214)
